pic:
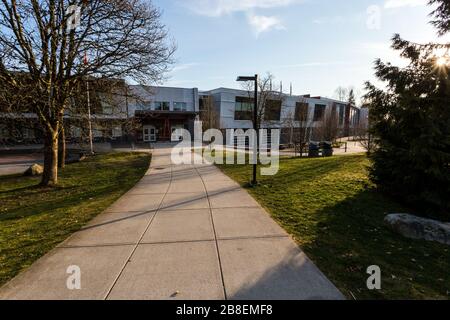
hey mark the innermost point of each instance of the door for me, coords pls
(149, 134)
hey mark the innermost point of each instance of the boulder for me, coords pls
(419, 228)
(34, 170)
(75, 158)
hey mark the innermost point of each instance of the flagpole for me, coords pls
(91, 144)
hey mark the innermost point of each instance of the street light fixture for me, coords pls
(255, 120)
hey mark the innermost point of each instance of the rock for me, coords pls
(71, 158)
(34, 170)
(419, 228)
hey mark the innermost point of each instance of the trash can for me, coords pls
(313, 150)
(327, 149)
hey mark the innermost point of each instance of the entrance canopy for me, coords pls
(165, 122)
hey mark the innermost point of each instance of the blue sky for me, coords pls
(317, 45)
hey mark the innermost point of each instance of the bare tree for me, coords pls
(328, 128)
(208, 114)
(298, 126)
(290, 123)
(303, 131)
(270, 99)
(341, 93)
(109, 100)
(365, 138)
(113, 39)
(363, 132)
(16, 116)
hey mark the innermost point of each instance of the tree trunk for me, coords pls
(291, 136)
(369, 145)
(62, 148)
(50, 175)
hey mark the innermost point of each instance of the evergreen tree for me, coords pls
(351, 98)
(410, 120)
(441, 15)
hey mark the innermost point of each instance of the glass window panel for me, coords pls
(319, 112)
(243, 108)
(179, 106)
(301, 111)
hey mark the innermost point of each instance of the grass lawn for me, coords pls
(34, 220)
(329, 206)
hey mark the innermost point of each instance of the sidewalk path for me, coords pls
(183, 232)
(18, 164)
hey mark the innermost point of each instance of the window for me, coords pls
(272, 110)
(27, 133)
(105, 104)
(117, 132)
(243, 108)
(162, 106)
(202, 103)
(354, 116)
(301, 111)
(357, 117)
(319, 112)
(179, 106)
(107, 109)
(341, 114)
(145, 105)
(97, 132)
(75, 132)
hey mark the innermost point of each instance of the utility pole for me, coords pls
(91, 144)
(256, 127)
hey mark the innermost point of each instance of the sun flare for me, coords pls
(442, 61)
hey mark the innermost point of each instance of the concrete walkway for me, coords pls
(183, 232)
(18, 164)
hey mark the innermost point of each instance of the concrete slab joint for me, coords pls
(183, 232)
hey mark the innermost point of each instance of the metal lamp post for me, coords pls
(255, 121)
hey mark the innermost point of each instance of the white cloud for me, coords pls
(184, 66)
(264, 23)
(259, 23)
(315, 64)
(216, 8)
(391, 4)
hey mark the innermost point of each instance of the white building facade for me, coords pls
(291, 112)
(158, 112)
